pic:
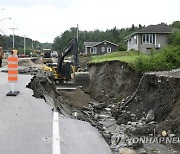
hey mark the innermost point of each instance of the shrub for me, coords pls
(122, 47)
(174, 38)
(166, 59)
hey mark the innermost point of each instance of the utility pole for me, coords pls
(32, 45)
(77, 32)
(13, 29)
(24, 44)
(76, 60)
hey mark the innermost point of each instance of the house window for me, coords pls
(93, 50)
(103, 49)
(109, 50)
(86, 50)
(135, 39)
(147, 38)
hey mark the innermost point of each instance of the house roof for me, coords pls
(90, 44)
(105, 42)
(160, 28)
(93, 44)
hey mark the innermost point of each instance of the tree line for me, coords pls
(114, 35)
(7, 43)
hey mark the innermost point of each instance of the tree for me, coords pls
(140, 26)
(133, 27)
(174, 38)
(176, 24)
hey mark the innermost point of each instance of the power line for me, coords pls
(39, 26)
(2, 31)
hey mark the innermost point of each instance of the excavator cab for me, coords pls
(66, 70)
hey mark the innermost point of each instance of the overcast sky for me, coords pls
(43, 20)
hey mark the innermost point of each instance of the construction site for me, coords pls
(103, 107)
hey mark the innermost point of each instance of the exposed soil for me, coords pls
(131, 97)
(76, 98)
(26, 62)
(83, 62)
(67, 102)
(112, 81)
(160, 94)
(117, 82)
(43, 87)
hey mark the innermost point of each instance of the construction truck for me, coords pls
(66, 70)
(46, 56)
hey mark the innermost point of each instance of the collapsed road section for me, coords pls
(122, 104)
(141, 105)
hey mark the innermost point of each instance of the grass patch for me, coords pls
(124, 56)
(166, 59)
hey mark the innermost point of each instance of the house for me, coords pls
(99, 48)
(153, 37)
(88, 47)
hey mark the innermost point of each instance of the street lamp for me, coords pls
(13, 34)
(4, 19)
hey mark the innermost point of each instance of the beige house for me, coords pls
(153, 37)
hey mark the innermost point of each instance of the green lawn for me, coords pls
(123, 56)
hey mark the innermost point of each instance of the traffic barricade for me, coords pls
(12, 73)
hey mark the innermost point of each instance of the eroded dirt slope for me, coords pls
(112, 81)
(117, 82)
(141, 104)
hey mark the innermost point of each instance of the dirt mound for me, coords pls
(25, 62)
(36, 60)
(112, 81)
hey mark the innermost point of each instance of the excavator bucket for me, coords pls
(81, 79)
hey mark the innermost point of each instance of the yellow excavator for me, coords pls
(68, 70)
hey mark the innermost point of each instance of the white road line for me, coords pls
(56, 136)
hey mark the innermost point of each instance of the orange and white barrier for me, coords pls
(12, 68)
(12, 73)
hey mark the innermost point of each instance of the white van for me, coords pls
(54, 54)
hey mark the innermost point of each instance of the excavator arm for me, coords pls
(68, 49)
(69, 69)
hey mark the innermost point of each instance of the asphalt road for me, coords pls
(79, 137)
(25, 122)
(27, 126)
